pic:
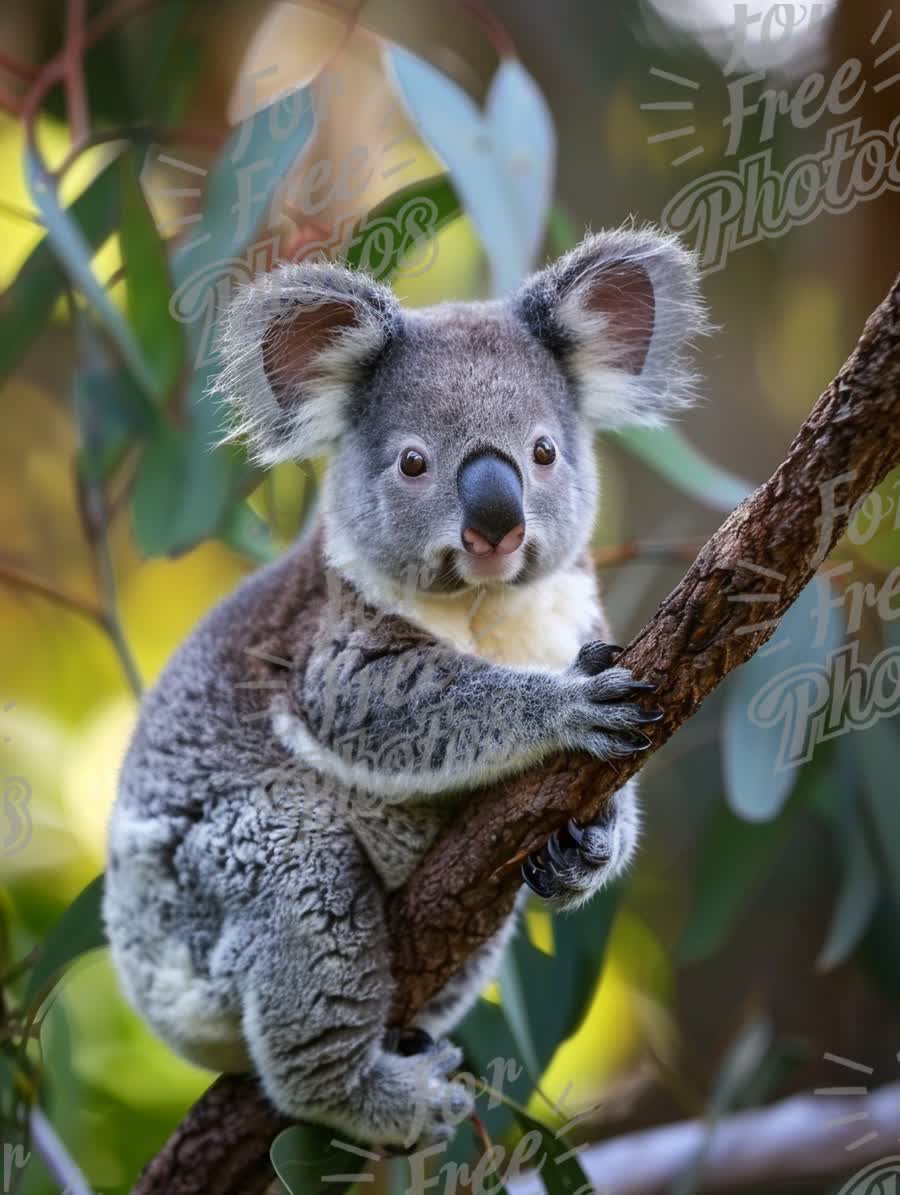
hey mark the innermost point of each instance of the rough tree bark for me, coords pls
(771, 544)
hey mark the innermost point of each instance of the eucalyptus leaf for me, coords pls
(306, 1160)
(766, 733)
(877, 750)
(148, 282)
(28, 302)
(858, 897)
(556, 1162)
(79, 930)
(666, 451)
(735, 858)
(74, 253)
(501, 160)
(404, 222)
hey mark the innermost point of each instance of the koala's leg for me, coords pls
(315, 1007)
(580, 860)
(447, 1008)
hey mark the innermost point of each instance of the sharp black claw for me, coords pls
(559, 854)
(652, 715)
(575, 830)
(537, 879)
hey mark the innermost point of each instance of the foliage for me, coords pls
(147, 437)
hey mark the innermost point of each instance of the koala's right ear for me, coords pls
(293, 343)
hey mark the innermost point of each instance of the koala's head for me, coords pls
(460, 435)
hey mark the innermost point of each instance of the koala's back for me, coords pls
(192, 833)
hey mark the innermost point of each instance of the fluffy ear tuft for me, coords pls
(619, 311)
(293, 343)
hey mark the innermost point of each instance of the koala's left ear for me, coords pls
(619, 311)
(293, 344)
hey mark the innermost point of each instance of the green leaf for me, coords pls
(148, 283)
(580, 940)
(501, 159)
(556, 1162)
(182, 491)
(28, 303)
(256, 158)
(736, 856)
(765, 735)
(668, 453)
(245, 532)
(857, 900)
(79, 930)
(401, 224)
(492, 1057)
(112, 413)
(306, 1161)
(74, 252)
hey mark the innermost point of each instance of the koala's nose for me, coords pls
(490, 490)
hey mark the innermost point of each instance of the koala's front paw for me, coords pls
(600, 713)
(580, 860)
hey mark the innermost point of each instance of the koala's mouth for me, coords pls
(459, 570)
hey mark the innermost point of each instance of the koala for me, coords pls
(441, 627)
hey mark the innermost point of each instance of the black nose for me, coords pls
(490, 490)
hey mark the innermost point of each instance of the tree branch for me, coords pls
(464, 888)
(802, 1138)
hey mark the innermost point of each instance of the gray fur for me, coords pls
(305, 746)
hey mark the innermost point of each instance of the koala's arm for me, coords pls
(399, 713)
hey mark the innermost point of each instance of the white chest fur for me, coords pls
(539, 626)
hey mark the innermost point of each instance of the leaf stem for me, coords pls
(55, 1156)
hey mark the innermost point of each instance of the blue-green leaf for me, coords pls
(877, 750)
(148, 283)
(500, 160)
(256, 158)
(74, 252)
(28, 302)
(666, 451)
(857, 899)
(768, 730)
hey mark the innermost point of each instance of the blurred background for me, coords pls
(136, 192)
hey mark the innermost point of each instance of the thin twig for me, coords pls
(16, 67)
(76, 92)
(15, 575)
(9, 104)
(668, 551)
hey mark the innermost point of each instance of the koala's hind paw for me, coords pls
(580, 860)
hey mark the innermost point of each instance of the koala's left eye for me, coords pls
(412, 463)
(545, 451)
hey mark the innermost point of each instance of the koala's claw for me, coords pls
(576, 832)
(578, 860)
(538, 877)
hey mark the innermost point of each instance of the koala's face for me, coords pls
(464, 460)
(460, 435)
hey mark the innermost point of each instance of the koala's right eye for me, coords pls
(412, 463)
